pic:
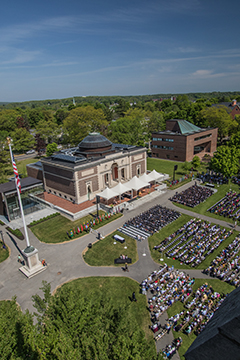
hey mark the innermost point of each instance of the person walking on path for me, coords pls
(19, 259)
(126, 267)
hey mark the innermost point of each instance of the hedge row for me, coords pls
(35, 222)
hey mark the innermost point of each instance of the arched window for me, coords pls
(115, 171)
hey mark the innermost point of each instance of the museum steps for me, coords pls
(134, 232)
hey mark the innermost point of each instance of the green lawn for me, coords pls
(4, 253)
(218, 286)
(21, 165)
(119, 290)
(55, 230)
(105, 251)
(203, 207)
(167, 166)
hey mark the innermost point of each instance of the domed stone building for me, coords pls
(78, 174)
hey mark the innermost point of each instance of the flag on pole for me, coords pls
(15, 170)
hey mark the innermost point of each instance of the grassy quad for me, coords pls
(166, 167)
(105, 251)
(177, 307)
(203, 207)
(55, 230)
(157, 238)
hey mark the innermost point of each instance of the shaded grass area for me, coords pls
(119, 290)
(203, 207)
(177, 307)
(4, 253)
(157, 238)
(55, 230)
(105, 251)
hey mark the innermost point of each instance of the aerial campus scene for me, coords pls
(119, 182)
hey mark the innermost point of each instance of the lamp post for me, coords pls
(174, 169)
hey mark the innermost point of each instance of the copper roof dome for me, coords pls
(94, 141)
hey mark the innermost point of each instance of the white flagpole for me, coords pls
(19, 198)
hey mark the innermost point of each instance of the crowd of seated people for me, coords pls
(226, 266)
(236, 179)
(194, 242)
(163, 288)
(172, 348)
(199, 310)
(192, 196)
(212, 178)
(154, 219)
(229, 206)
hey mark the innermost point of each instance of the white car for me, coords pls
(30, 152)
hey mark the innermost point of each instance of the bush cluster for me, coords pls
(35, 222)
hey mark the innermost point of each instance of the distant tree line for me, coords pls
(127, 120)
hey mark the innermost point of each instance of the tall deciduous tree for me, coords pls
(226, 161)
(81, 121)
(196, 162)
(92, 328)
(132, 129)
(216, 117)
(51, 148)
(8, 120)
(4, 156)
(48, 129)
(18, 336)
(156, 123)
(22, 140)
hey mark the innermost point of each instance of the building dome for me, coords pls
(94, 143)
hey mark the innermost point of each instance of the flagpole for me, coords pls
(19, 199)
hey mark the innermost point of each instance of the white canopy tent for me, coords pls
(108, 194)
(145, 178)
(154, 175)
(121, 189)
(136, 184)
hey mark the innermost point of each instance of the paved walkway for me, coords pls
(65, 261)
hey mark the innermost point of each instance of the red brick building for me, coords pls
(233, 107)
(181, 141)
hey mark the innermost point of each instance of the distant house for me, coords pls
(181, 141)
(233, 107)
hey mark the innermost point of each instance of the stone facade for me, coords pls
(80, 179)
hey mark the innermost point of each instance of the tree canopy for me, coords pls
(74, 324)
(216, 117)
(81, 121)
(226, 161)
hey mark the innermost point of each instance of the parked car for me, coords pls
(30, 152)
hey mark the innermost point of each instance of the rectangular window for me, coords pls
(162, 139)
(202, 137)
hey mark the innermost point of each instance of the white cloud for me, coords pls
(202, 73)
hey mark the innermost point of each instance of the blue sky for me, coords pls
(56, 49)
